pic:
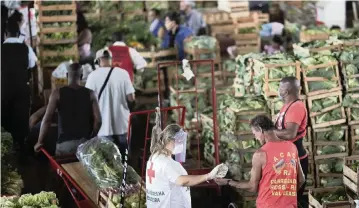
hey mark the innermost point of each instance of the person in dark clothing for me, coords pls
(16, 58)
(4, 19)
(79, 114)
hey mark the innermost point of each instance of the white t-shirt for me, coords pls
(161, 190)
(113, 102)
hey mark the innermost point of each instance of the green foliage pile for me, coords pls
(40, 200)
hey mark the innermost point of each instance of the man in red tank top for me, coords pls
(125, 57)
(291, 124)
(276, 172)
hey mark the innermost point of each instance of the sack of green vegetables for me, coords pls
(103, 161)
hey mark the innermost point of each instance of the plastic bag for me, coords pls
(102, 159)
(61, 70)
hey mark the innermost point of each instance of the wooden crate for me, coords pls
(268, 67)
(145, 90)
(271, 102)
(318, 143)
(308, 143)
(196, 52)
(320, 175)
(260, 18)
(104, 198)
(216, 17)
(242, 113)
(316, 79)
(312, 114)
(313, 202)
(312, 178)
(353, 139)
(350, 176)
(351, 121)
(307, 37)
(222, 29)
(347, 77)
(155, 57)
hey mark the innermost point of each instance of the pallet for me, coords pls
(354, 138)
(313, 202)
(268, 67)
(351, 121)
(307, 38)
(350, 176)
(312, 115)
(316, 79)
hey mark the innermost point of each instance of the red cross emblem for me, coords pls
(151, 173)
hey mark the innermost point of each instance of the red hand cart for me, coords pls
(80, 186)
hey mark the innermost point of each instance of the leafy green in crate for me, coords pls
(331, 149)
(203, 42)
(350, 58)
(339, 195)
(332, 165)
(335, 134)
(349, 101)
(331, 182)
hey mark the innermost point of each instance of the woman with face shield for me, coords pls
(167, 182)
(276, 171)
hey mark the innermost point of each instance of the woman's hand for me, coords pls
(222, 181)
(220, 171)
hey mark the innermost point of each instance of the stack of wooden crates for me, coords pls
(57, 38)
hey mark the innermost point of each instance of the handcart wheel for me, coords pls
(232, 205)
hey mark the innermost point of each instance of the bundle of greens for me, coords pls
(147, 79)
(331, 149)
(355, 166)
(323, 103)
(338, 195)
(335, 134)
(203, 42)
(350, 59)
(315, 30)
(60, 35)
(229, 65)
(327, 72)
(40, 200)
(332, 165)
(6, 143)
(102, 159)
(247, 30)
(349, 34)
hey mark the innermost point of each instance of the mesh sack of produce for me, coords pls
(102, 159)
(332, 165)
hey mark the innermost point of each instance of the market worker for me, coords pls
(17, 18)
(114, 89)
(125, 57)
(157, 27)
(177, 34)
(193, 18)
(16, 59)
(291, 124)
(276, 173)
(79, 114)
(167, 182)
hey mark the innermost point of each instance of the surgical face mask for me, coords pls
(178, 149)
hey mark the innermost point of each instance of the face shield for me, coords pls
(180, 146)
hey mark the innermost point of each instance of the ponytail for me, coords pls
(156, 133)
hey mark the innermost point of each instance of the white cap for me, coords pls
(105, 52)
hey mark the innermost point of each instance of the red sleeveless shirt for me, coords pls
(278, 186)
(121, 58)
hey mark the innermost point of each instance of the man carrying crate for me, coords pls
(291, 124)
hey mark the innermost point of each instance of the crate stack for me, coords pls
(57, 38)
(146, 83)
(246, 35)
(350, 175)
(318, 198)
(204, 72)
(219, 21)
(237, 8)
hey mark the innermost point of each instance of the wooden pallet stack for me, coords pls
(57, 38)
(237, 8)
(147, 82)
(246, 35)
(219, 21)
